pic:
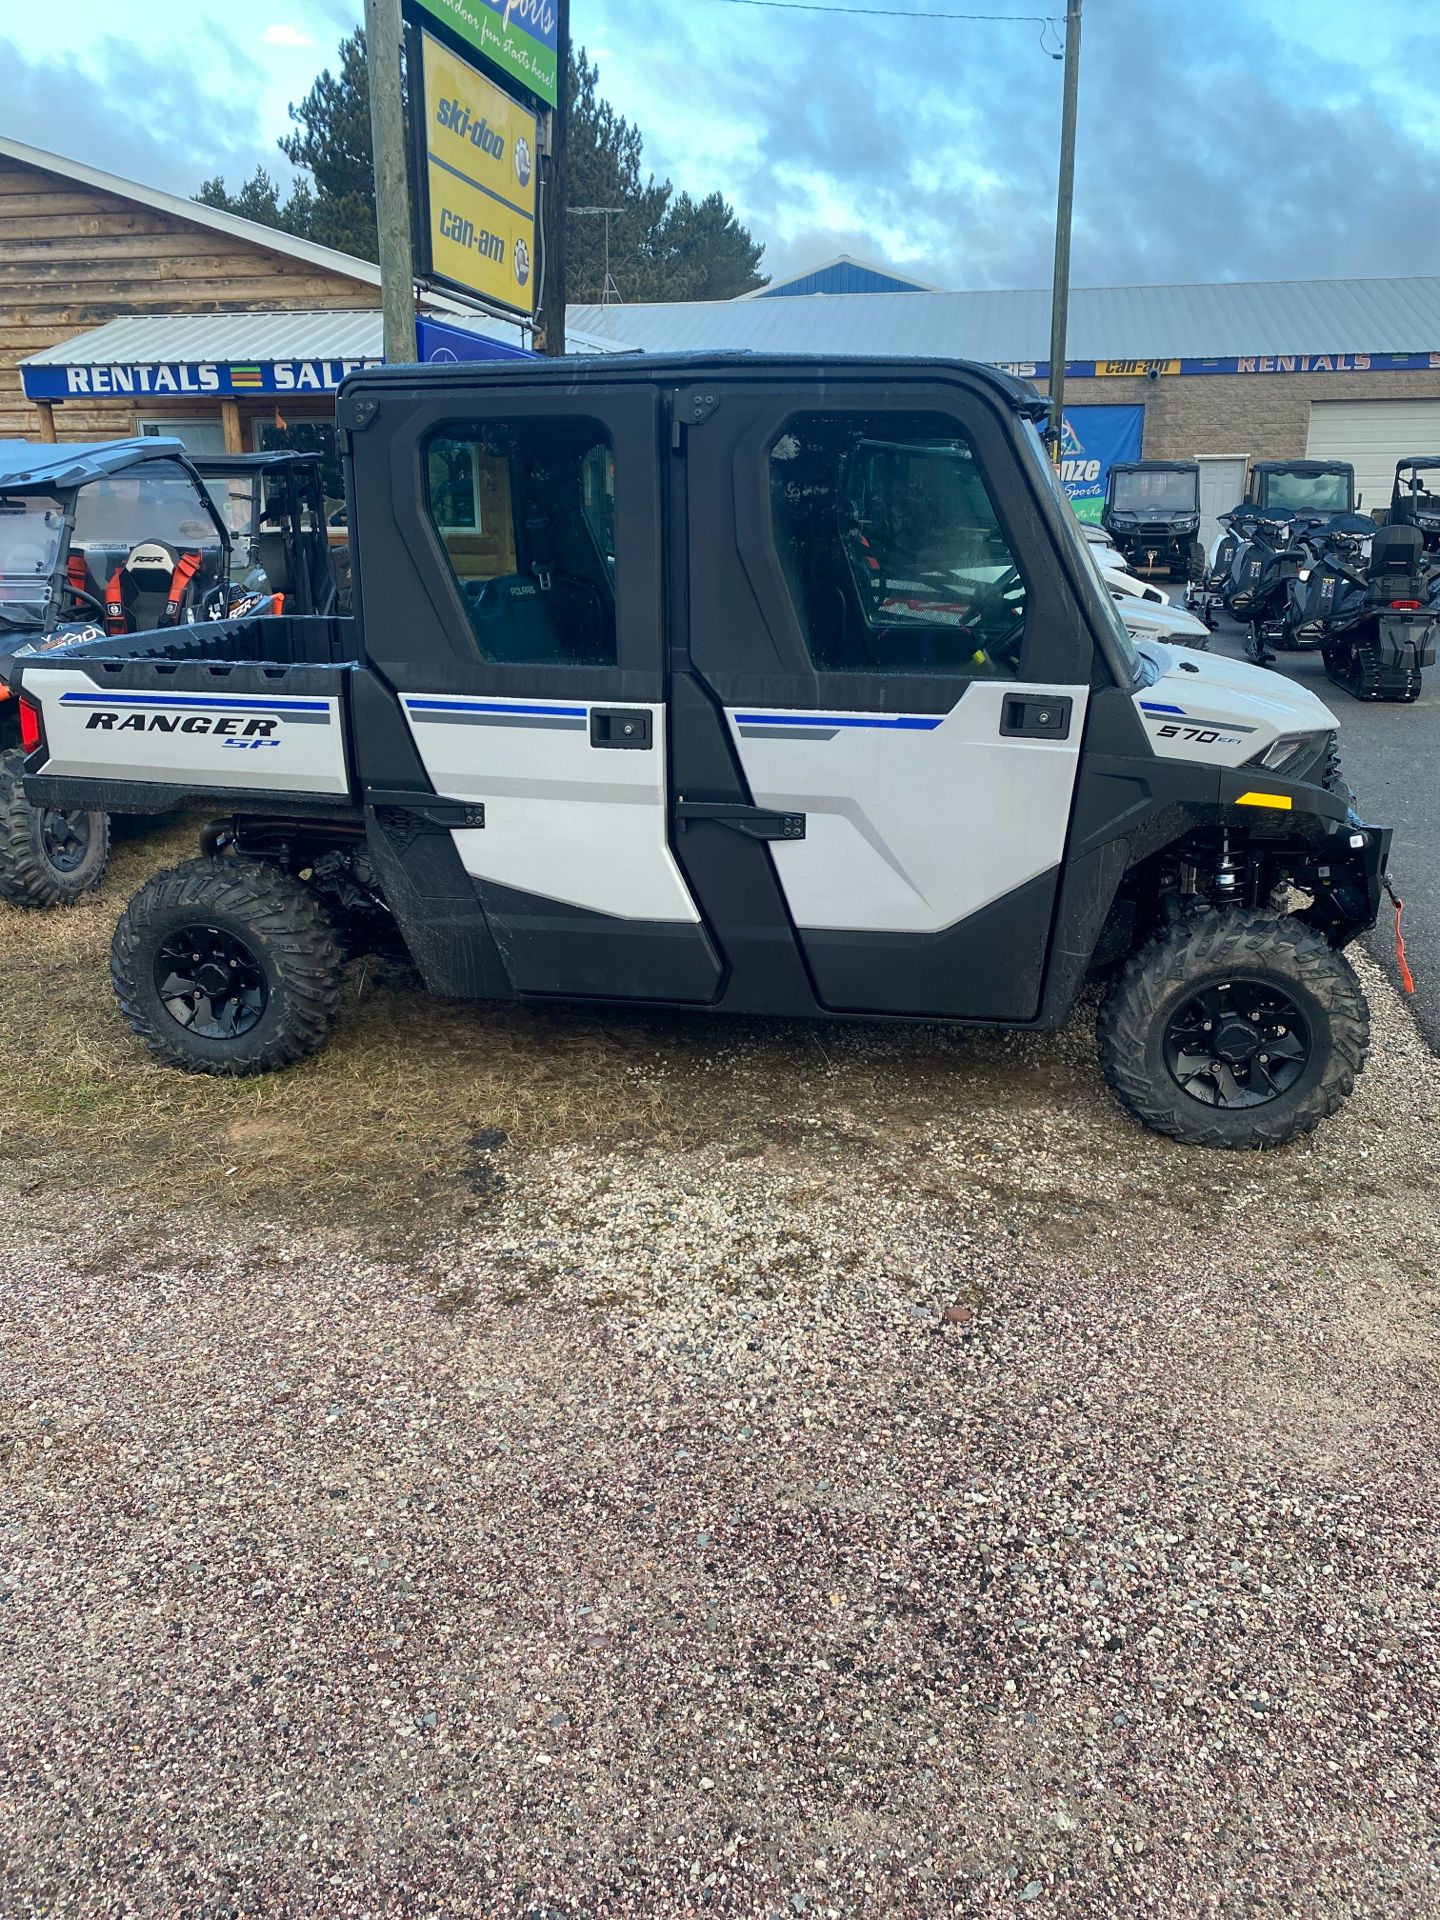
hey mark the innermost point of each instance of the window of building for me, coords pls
(891, 547)
(525, 510)
(308, 436)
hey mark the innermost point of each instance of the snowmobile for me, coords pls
(1152, 513)
(1257, 586)
(1388, 635)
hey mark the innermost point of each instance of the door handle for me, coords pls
(1036, 716)
(621, 727)
(757, 823)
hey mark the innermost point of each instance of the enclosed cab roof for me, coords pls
(610, 370)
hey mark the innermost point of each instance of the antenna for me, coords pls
(608, 289)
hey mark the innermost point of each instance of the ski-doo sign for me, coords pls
(476, 171)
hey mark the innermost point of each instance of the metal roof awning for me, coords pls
(1112, 330)
(229, 355)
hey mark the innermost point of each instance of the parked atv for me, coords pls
(1378, 651)
(96, 541)
(1414, 502)
(155, 540)
(1317, 488)
(1152, 513)
(850, 728)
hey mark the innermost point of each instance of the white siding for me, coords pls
(1372, 435)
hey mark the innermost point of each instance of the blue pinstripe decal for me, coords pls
(915, 723)
(281, 704)
(1153, 706)
(492, 706)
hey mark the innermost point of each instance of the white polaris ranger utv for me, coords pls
(742, 684)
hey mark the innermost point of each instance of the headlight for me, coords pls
(1290, 750)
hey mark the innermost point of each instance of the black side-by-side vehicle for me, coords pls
(1152, 513)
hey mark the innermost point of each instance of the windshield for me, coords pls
(30, 534)
(1115, 636)
(156, 501)
(1161, 490)
(234, 497)
(1307, 492)
(1419, 490)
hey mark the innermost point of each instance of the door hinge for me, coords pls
(758, 823)
(690, 407)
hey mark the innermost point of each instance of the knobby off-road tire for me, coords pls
(226, 966)
(1230, 959)
(47, 858)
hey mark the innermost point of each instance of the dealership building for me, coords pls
(124, 310)
(1224, 374)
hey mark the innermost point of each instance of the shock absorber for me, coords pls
(1229, 873)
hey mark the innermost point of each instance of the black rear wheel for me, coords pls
(1234, 1029)
(227, 966)
(48, 858)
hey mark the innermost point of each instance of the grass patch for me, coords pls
(395, 1117)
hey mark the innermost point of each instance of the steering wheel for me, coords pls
(1004, 648)
(78, 594)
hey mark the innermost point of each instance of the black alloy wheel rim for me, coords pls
(210, 983)
(1239, 1044)
(65, 838)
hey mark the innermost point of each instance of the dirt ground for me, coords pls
(792, 1471)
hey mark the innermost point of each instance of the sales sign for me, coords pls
(520, 36)
(480, 177)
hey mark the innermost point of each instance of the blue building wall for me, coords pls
(845, 276)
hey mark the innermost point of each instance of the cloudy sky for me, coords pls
(1235, 140)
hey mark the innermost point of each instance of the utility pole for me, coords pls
(1065, 200)
(555, 291)
(392, 192)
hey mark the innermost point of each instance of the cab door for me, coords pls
(875, 612)
(529, 671)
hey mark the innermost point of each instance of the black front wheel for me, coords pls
(1234, 1029)
(48, 858)
(226, 966)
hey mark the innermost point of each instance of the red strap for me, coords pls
(75, 572)
(114, 605)
(185, 569)
(1405, 980)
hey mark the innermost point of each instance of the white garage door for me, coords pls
(1372, 435)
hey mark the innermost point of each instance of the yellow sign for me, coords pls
(480, 167)
(1116, 367)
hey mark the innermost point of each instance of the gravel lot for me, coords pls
(910, 1525)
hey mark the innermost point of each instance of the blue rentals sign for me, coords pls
(1093, 439)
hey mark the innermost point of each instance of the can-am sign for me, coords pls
(176, 378)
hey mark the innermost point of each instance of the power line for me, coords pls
(890, 13)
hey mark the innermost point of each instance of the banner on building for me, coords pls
(520, 36)
(1093, 440)
(477, 169)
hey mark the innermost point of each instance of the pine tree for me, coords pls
(663, 245)
(332, 144)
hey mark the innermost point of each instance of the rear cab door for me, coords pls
(510, 581)
(876, 611)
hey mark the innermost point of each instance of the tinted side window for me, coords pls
(525, 511)
(891, 548)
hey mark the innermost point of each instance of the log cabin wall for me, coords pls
(73, 255)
